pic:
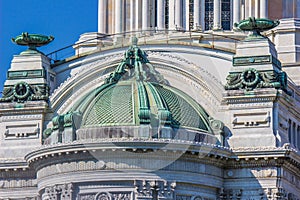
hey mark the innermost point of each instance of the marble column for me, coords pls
(236, 11)
(186, 13)
(145, 15)
(197, 7)
(217, 15)
(178, 14)
(263, 8)
(132, 14)
(256, 7)
(161, 14)
(118, 16)
(202, 14)
(102, 21)
(137, 14)
(243, 11)
(250, 9)
(246, 8)
(172, 15)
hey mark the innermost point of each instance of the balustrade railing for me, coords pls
(226, 41)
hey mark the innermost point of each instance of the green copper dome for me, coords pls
(132, 103)
(135, 101)
(136, 95)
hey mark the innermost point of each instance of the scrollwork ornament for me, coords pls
(234, 81)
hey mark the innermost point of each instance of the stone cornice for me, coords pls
(263, 156)
(249, 99)
(112, 145)
(37, 107)
(238, 157)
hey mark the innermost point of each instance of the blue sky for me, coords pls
(64, 19)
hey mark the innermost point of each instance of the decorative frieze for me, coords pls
(22, 92)
(234, 194)
(58, 192)
(106, 196)
(14, 118)
(17, 183)
(149, 189)
(251, 78)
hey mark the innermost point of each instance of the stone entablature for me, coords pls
(93, 163)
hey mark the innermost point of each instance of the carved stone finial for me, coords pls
(134, 41)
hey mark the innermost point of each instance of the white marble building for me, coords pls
(193, 110)
(116, 16)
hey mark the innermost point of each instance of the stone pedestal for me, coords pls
(23, 105)
(252, 91)
(250, 115)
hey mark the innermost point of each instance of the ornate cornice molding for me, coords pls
(127, 144)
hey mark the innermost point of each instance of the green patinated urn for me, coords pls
(256, 26)
(32, 41)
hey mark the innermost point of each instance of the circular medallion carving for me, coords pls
(103, 196)
(250, 77)
(21, 90)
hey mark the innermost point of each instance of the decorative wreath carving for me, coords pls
(21, 90)
(250, 77)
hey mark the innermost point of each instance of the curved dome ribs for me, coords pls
(144, 110)
(135, 102)
(107, 109)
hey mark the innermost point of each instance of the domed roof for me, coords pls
(136, 101)
(133, 103)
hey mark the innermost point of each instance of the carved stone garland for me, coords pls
(250, 79)
(22, 92)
